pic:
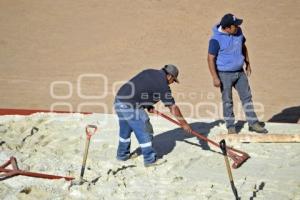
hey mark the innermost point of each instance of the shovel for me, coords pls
(90, 130)
(224, 151)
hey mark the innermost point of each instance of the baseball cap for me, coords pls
(172, 70)
(229, 19)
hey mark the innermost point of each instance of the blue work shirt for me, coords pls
(228, 50)
(145, 89)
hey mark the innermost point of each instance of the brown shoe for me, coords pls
(156, 163)
(231, 130)
(258, 128)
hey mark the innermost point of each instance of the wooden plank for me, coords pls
(257, 138)
(8, 111)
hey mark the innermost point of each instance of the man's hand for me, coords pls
(248, 70)
(174, 109)
(187, 128)
(216, 82)
(150, 109)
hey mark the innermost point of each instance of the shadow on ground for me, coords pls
(165, 142)
(288, 115)
(257, 189)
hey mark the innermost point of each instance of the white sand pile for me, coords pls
(54, 144)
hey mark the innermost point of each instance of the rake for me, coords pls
(238, 157)
(15, 171)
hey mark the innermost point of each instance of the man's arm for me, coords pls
(174, 109)
(211, 59)
(247, 61)
(213, 50)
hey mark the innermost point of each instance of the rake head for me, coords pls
(15, 171)
(237, 156)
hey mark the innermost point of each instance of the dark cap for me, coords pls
(172, 70)
(229, 19)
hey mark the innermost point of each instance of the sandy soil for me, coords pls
(56, 55)
(191, 169)
(73, 55)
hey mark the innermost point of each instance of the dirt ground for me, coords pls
(72, 55)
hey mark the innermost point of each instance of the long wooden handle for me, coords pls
(86, 151)
(224, 151)
(258, 138)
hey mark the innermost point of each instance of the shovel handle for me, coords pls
(90, 130)
(223, 147)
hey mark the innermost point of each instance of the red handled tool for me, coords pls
(7, 173)
(90, 130)
(237, 156)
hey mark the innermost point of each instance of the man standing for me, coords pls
(142, 92)
(227, 54)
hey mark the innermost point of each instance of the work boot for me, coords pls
(231, 130)
(257, 128)
(155, 163)
(136, 153)
(125, 158)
